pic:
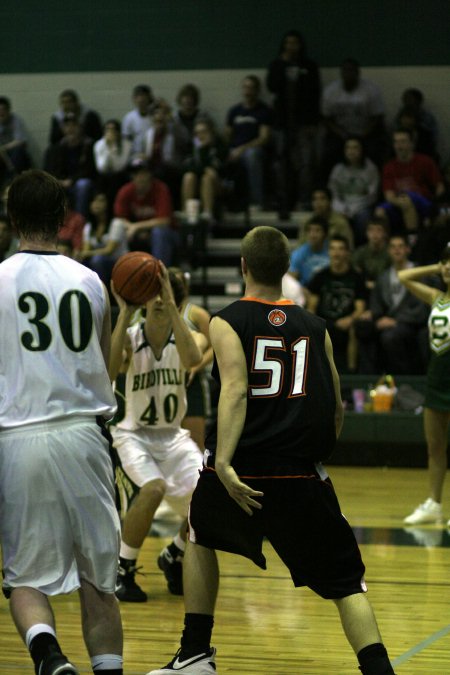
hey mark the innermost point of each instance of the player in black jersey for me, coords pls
(279, 414)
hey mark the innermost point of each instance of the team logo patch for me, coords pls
(277, 317)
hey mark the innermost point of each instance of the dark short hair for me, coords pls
(5, 101)
(340, 238)
(381, 221)
(402, 130)
(36, 205)
(318, 220)
(326, 190)
(255, 79)
(70, 93)
(142, 89)
(266, 252)
(189, 90)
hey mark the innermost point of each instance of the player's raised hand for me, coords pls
(122, 304)
(166, 287)
(242, 493)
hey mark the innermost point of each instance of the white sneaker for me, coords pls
(201, 664)
(428, 512)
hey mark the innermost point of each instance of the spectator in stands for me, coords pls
(311, 256)
(187, 115)
(69, 104)
(145, 206)
(112, 155)
(355, 183)
(163, 148)
(247, 130)
(137, 122)
(414, 99)
(352, 106)
(410, 182)
(72, 230)
(337, 294)
(392, 333)
(294, 79)
(8, 243)
(321, 205)
(203, 169)
(372, 258)
(104, 238)
(14, 156)
(71, 161)
(408, 118)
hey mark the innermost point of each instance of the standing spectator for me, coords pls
(373, 258)
(137, 122)
(410, 182)
(355, 183)
(59, 526)
(413, 99)
(352, 106)
(104, 239)
(321, 206)
(69, 104)
(311, 256)
(337, 294)
(392, 332)
(436, 414)
(294, 79)
(112, 155)
(71, 161)
(163, 150)
(14, 157)
(187, 115)
(280, 412)
(247, 131)
(145, 206)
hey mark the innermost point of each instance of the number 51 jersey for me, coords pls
(290, 398)
(51, 363)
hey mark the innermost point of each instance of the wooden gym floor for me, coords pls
(265, 626)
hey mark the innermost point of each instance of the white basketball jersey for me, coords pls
(155, 390)
(439, 325)
(51, 363)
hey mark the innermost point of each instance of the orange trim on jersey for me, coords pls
(249, 298)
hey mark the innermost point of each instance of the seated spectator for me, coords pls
(392, 333)
(145, 206)
(8, 243)
(72, 231)
(104, 239)
(247, 132)
(163, 150)
(203, 169)
(69, 104)
(372, 259)
(187, 115)
(337, 294)
(138, 121)
(414, 99)
(408, 118)
(14, 156)
(71, 161)
(112, 155)
(355, 183)
(352, 106)
(311, 256)
(321, 205)
(410, 182)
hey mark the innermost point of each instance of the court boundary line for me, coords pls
(420, 646)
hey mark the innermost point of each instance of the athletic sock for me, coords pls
(196, 636)
(179, 543)
(41, 646)
(107, 664)
(374, 660)
(175, 551)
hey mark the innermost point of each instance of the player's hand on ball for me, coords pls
(166, 288)
(122, 304)
(242, 494)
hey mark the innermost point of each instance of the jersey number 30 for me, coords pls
(264, 360)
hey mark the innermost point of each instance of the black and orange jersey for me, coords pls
(290, 399)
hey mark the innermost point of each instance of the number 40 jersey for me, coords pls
(51, 363)
(290, 398)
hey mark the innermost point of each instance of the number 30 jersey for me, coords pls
(51, 363)
(155, 389)
(290, 398)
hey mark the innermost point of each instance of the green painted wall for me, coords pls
(121, 35)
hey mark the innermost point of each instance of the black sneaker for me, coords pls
(127, 589)
(57, 664)
(173, 571)
(200, 664)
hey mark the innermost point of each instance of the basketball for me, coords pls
(135, 277)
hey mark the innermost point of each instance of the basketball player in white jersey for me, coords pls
(158, 457)
(59, 526)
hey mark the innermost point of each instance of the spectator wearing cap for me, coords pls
(138, 121)
(69, 104)
(145, 206)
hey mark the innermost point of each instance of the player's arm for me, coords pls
(422, 291)
(231, 410)
(105, 338)
(339, 412)
(201, 318)
(120, 341)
